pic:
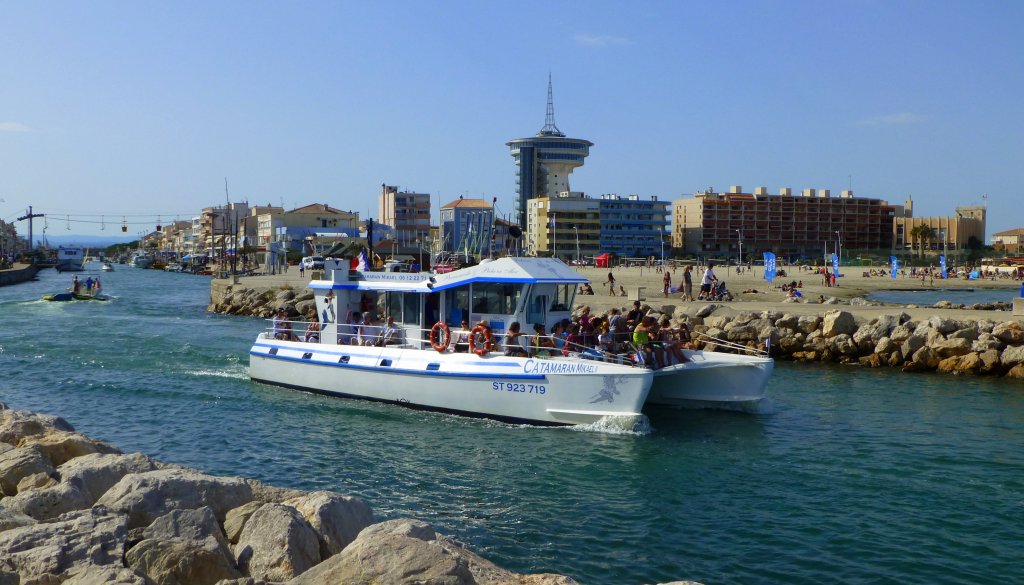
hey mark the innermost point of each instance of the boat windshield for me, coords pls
(562, 300)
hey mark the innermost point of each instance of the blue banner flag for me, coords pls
(942, 262)
(974, 275)
(895, 266)
(835, 266)
(769, 266)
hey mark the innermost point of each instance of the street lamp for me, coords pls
(576, 229)
(740, 258)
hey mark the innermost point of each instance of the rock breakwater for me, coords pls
(78, 511)
(983, 346)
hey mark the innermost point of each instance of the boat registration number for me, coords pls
(517, 387)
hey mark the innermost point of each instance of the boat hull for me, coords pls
(541, 391)
(712, 378)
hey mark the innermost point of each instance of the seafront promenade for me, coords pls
(18, 273)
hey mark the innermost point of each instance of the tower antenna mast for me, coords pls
(549, 117)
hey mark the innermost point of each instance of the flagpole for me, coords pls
(554, 251)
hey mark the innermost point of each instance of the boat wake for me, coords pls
(235, 375)
(618, 425)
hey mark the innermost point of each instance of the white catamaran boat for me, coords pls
(421, 368)
(713, 379)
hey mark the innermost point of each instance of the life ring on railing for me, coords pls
(440, 329)
(481, 341)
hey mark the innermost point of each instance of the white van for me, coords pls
(313, 263)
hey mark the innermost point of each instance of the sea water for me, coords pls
(928, 297)
(855, 476)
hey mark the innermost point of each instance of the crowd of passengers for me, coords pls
(644, 338)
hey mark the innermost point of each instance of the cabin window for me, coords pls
(403, 307)
(496, 298)
(562, 300)
(458, 305)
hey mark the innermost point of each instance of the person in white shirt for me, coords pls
(389, 336)
(708, 281)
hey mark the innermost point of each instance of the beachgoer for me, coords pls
(687, 284)
(666, 283)
(622, 291)
(611, 284)
(706, 282)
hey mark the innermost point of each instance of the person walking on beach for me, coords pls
(707, 281)
(687, 284)
(666, 283)
(611, 284)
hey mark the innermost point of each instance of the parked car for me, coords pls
(313, 263)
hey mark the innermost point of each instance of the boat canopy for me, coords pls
(504, 270)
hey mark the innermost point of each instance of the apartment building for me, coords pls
(808, 224)
(567, 226)
(633, 227)
(408, 213)
(956, 232)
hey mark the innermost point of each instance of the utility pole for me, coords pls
(29, 216)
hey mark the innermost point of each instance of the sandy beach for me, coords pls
(770, 296)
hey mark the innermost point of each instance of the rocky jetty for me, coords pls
(237, 300)
(941, 344)
(78, 511)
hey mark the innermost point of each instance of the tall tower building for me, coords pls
(545, 161)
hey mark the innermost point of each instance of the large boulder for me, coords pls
(236, 518)
(47, 503)
(53, 551)
(62, 446)
(718, 321)
(96, 473)
(1009, 332)
(902, 332)
(146, 496)
(787, 321)
(989, 361)
(106, 575)
(987, 341)
(17, 464)
(408, 552)
(706, 310)
(15, 425)
(337, 519)
(277, 544)
(1012, 356)
(952, 347)
(885, 346)
(808, 323)
(969, 332)
(182, 548)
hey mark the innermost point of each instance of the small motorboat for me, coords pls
(107, 267)
(62, 296)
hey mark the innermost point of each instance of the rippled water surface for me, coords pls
(958, 296)
(855, 476)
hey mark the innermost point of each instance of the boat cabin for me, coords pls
(528, 290)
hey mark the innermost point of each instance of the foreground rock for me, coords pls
(79, 512)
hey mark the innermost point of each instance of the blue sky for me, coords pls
(143, 108)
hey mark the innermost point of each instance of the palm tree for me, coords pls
(922, 233)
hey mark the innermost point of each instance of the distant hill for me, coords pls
(87, 241)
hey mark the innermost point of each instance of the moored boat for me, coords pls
(69, 259)
(418, 366)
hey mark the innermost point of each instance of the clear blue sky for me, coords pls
(145, 107)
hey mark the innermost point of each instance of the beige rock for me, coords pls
(17, 464)
(337, 519)
(179, 562)
(236, 518)
(13, 519)
(1009, 332)
(106, 575)
(50, 552)
(15, 425)
(98, 472)
(61, 446)
(147, 496)
(952, 347)
(969, 364)
(35, 481)
(1012, 356)
(277, 544)
(808, 323)
(48, 503)
(407, 552)
(885, 346)
(1016, 372)
(989, 361)
(838, 322)
(949, 365)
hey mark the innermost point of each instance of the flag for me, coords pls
(895, 266)
(942, 262)
(552, 222)
(361, 262)
(769, 266)
(835, 266)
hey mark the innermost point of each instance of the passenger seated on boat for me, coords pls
(643, 342)
(461, 337)
(313, 329)
(605, 339)
(369, 332)
(574, 342)
(558, 339)
(670, 340)
(542, 344)
(514, 341)
(282, 328)
(347, 333)
(390, 334)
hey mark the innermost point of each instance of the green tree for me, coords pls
(922, 234)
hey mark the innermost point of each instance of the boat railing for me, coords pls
(416, 338)
(737, 347)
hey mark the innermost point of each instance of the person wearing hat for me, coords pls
(282, 328)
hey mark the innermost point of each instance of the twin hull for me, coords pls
(555, 391)
(712, 378)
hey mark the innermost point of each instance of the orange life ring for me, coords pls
(481, 341)
(440, 329)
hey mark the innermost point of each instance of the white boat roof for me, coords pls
(503, 270)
